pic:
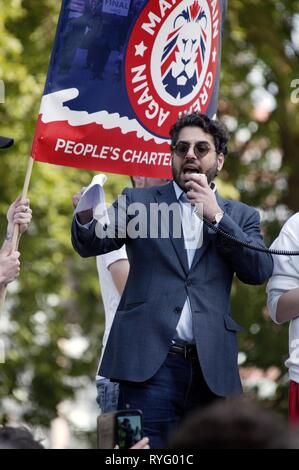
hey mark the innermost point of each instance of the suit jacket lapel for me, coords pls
(166, 194)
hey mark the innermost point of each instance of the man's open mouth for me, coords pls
(188, 170)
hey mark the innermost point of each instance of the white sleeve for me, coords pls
(285, 275)
(113, 256)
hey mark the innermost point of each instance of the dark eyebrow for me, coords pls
(198, 142)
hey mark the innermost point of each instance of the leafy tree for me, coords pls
(260, 62)
(57, 296)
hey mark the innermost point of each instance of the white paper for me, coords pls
(94, 198)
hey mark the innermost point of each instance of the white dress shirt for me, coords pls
(192, 231)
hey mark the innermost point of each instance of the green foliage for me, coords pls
(260, 37)
(58, 295)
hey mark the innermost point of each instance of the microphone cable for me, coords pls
(230, 237)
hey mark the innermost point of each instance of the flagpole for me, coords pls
(16, 233)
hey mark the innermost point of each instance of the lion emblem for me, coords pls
(184, 53)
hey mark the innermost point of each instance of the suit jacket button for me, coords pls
(189, 282)
(178, 310)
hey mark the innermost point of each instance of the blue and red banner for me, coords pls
(120, 73)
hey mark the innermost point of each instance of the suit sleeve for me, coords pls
(100, 239)
(250, 266)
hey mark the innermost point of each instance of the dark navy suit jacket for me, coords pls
(159, 282)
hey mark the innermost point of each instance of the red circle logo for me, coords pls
(171, 60)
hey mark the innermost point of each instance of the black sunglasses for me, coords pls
(201, 149)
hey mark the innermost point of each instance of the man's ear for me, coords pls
(220, 161)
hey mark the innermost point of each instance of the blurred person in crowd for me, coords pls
(283, 303)
(18, 213)
(235, 423)
(17, 438)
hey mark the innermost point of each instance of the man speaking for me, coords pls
(172, 346)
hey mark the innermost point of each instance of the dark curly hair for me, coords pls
(214, 128)
(235, 423)
(17, 438)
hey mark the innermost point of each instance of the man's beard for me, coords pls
(210, 174)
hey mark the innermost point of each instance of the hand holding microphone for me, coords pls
(200, 192)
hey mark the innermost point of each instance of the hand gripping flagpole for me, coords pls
(16, 233)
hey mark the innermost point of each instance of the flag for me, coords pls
(120, 73)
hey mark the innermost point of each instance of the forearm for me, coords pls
(288, 306)
(251, 266)
(2, 276)
(87, 243)
(7, 246)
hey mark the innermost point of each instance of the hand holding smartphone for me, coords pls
(128, 428)
(121, 428)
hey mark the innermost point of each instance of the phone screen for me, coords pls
(128, 428)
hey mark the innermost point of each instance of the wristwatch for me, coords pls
(217, 218)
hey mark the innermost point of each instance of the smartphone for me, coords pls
(128, 428)
(122, 428)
